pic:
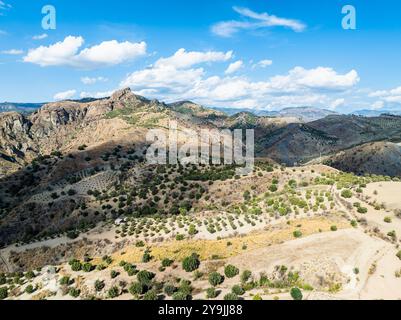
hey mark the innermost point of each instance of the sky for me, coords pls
(263, 55)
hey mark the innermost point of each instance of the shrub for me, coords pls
(297, 234)
(99, 285)
(211, 293)
(74, 292)
(362, 210)
(387, 220)
(114, 274)
(30, 289)
(246, 275)
(346, 194)
(180, 296)
(191, 263)
(137, 288)
(296, 294)
(179, 237)
(87, 267)
(113, 292)
(3, 293)
(230, 297)
(215, 279)
(167, 263)
(145, 277)
(231, 271)
(75, 265)
(333, 228)
(257, 297)
(30, 275)
(66, 281)
(273, 188)
(238, 290)
(169, 289)
(150, 295)
(146, 257)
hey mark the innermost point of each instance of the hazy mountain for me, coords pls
(19, 107)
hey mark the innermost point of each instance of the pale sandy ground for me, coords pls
(388, 192)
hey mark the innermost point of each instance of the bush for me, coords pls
(215, 279)
(179, 237)
(150, 295)
(145, 277)
(146, 257)
(137, 288)
(211, 293)
(75, 265)
(99, 285)
(113, 292)
(87, 267)
(30, 289)
(333, 228)
(74, 292)
(66, 281)
(230, 297)
(362, 210)
(167, 263)
(246, 275)
(387, 220)
(114, 274)
(3, 293)
(191, 263)
(180, 296)
(257, 297)
(296, 294)
(297, 234)
(169, 289)
(346, 194)
(231, 271)
(238, 290)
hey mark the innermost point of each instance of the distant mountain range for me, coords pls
(303, 114)
(19, 107)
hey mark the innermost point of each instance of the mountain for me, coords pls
(375, 113)
(19, 107)
(303, 114)
(380, 158)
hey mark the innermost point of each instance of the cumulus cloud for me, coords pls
(89, 80)
(264, 63)
(97, 95)
(298, 87)
(392, 96)
(174, 73)
(318, 78)
(234, 67)
(183, 59)
(66, 53)
(40, 36)
(65, 95)
(256, 21)
(15, 52)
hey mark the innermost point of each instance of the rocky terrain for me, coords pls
(84, 216)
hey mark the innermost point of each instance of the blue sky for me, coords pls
(255, 54)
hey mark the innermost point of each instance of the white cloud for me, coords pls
(13, 52)
(96, 95)
(66, 53)
(4, 6)
(3, 33)
(378, 105)
(174, 73)
(264, 63)
(183, 59)
(258, 20)
(234, 67)
(65, 95)
(318, 78)
(40, 36)
(89, 81)
(389, 96)
(337, 103)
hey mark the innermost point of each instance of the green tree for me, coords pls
(296, 294)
